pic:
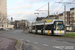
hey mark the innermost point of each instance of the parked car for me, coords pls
(6, 29)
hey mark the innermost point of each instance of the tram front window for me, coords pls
(59, 26)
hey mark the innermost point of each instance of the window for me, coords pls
(2, 25)
(49, 27)
(59, 26)
(39, 27)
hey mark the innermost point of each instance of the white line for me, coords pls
(45, 38)
(54, 40)
(45, 45)
(65, 42)
(58, 47)
(22, 39)
(28, 40)
(36, 42)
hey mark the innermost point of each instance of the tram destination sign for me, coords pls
(50, 20)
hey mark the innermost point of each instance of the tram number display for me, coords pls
(59, 22)
(49, 20)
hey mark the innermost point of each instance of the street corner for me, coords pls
(7, 43)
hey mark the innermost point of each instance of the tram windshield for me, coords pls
(59, 26)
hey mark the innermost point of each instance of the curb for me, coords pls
(18, 46)
(23, 45)
(0, 40)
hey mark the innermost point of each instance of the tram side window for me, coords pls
(33, 27)
(39, 27)
(49, 27)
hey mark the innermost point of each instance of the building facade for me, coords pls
(65, 17)
(23, 24)
(72, 16)
(3, 14)
(16, 24)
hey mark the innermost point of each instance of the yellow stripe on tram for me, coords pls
(33, 31)
(48, 32)
(60, 31)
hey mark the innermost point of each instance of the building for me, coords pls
(23, 24)
(16, 24)
(65, 16)
(60, 16)
(40, 18)
(3, 14)
(12, 22)
(66, 19)
(52, 17)
(9, 25)
(72, 18)
(11, 19)
(44, 18)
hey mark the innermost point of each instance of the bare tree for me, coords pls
(3, 19)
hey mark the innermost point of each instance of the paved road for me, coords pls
(43, 42)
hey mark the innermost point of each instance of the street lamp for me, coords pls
(36, 13)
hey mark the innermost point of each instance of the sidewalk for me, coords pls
(70, 32)
(7, 43)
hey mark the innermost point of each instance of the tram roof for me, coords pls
(50, 21)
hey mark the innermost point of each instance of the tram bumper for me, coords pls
(59, 32)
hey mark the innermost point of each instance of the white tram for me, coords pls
(50, 27)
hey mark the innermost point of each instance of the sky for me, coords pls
(25, 9)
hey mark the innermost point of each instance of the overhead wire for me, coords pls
(42, 6)
(73, 0)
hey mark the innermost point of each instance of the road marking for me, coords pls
(39, 36)
(28, 40)
(22, 39)
(59, 47)
(65, 42)
(36, 42)
(45, 45)
(45, 38)
(54, 40)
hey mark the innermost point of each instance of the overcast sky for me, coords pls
(25, 9)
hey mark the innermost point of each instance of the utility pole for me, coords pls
(48, 9)
(64, 14)
(48, 16)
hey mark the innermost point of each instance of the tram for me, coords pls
(49, 27)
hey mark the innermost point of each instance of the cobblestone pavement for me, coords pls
(7, 43)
